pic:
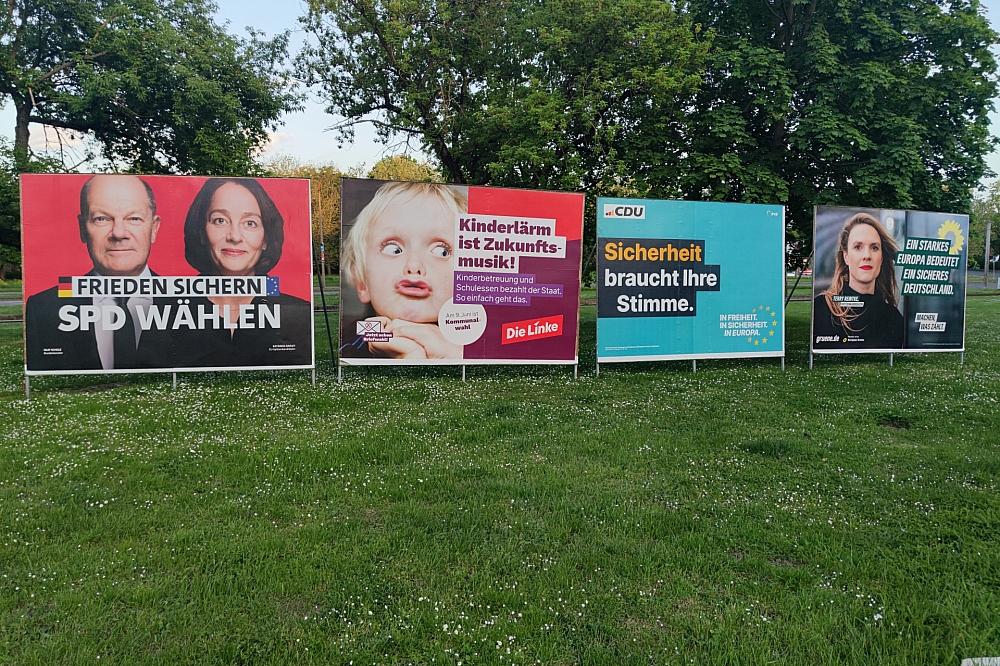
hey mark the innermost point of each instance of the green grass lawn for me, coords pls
(741, 515)
(10, 312)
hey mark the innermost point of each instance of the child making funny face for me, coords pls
(400, 259)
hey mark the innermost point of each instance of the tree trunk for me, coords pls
(451, 166)
(21, 132)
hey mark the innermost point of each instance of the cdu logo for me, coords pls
(633, 211)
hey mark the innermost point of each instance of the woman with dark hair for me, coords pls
(234, 229)
(859, 308)
(261, 225)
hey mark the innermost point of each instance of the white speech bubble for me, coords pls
(462, 324)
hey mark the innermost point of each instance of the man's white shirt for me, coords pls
(106, 338)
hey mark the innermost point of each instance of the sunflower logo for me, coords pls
(953, 229)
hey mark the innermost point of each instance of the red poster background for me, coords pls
(567, 210)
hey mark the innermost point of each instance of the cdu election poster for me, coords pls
(689, 280)
(131, 273)
(888, 281)
(458, 275)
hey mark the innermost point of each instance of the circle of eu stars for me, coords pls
(771, 330)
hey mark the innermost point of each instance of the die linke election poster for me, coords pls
(888, 280)
(131, 273)
(689, 280)
(455, 275)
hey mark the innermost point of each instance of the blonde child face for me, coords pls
(409, 269)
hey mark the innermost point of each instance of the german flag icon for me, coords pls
(65, 287)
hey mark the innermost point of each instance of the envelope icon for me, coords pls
(369, 327)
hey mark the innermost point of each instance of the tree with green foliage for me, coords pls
(404, 167)
(513, 92)
(985, 209)
(409, 67)
(158, 84)
(877, 103)
(10, 213)
(10, 229)
(802, 102)
(563, 94)
(324, 190)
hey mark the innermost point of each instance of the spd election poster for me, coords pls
(888, 281)
(458, 275)
(689, 280)
(127, 273)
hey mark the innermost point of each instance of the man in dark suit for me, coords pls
(118, 223)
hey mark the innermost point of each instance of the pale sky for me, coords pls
(304, 134)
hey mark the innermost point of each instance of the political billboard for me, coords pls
(129, 273)
(689, 280)
(888, 281)
(458, 275)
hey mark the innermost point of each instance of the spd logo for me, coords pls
(631, 211)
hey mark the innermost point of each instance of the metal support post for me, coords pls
(782, 363)
(340, 378)
(810, 360)
(463, 373)
(27, 387)
(694, 365)
(890, 360)
(576, 371)
(314, 376)
(986, 258)
(175, 381)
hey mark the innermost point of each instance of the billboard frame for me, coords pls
(890, 352)
(28, 374)
(695, 357)
(373, 362)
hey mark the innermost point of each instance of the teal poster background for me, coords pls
(647, 307)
